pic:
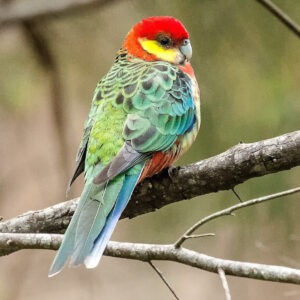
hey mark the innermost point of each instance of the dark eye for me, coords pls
(165, 41)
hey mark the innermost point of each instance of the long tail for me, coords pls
(94, 257)
(92, 225)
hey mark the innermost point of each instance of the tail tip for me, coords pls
(52, 273)
(55, 268)
(91, 262)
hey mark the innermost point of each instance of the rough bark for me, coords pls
(221, 172)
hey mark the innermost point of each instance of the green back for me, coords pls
(148, 104)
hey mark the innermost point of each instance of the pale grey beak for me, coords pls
(186, 49)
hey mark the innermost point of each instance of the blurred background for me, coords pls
(247, 66)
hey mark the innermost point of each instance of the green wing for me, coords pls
(146, 104)
(81, 154)
(156, 98)
(160, 109)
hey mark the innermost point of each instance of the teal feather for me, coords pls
(93, 217)
(128, 185)
(95, 204)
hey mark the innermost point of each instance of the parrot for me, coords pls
(145, 114)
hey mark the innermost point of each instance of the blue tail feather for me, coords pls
(100, 243)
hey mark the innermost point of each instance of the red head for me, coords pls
(159, 38)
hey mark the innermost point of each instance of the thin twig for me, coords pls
(160, 274)
(229, 210)
(282, 16)
(224, 283)
(236, 194)
(10, 242)
(196, 236)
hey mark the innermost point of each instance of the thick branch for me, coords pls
(52, 219)
(221, 172)
(217, 173)
(22, 11)
(149, 252)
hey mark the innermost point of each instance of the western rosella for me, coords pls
(145, 113)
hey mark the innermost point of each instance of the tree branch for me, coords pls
(224, 283)
(228, 212)
(150, 252)
(221, 172)
(281, 15)
(164, 280)
(16, 12)
(217, 173)
(11, 242)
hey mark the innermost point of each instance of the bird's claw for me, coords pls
(172, 170)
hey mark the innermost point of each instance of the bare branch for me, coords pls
(146, 252)
(10, 242)
(236, 194)
(196, 236)
(228, 211)
(282, 16)
(221, 172)
(160, 274)
(224, 283)
(52, 219)
(16, 12)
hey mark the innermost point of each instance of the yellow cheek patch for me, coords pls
(153, 47)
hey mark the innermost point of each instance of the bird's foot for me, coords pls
(172, 171)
